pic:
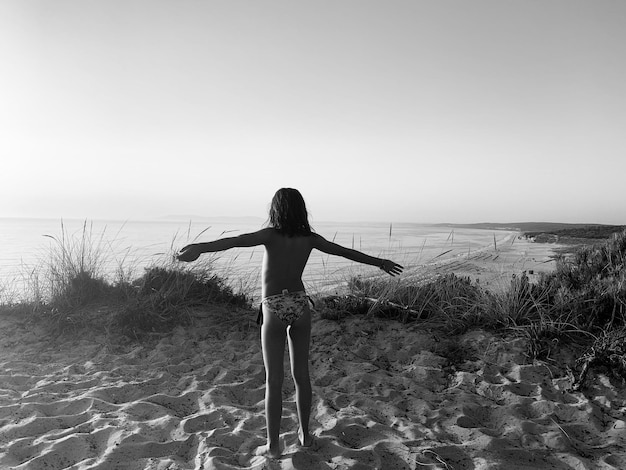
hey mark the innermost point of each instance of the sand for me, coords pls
(493, 266)
(386, 396)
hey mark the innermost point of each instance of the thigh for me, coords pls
(299, 342)
(273, 334)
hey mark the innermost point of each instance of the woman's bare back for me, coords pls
(284, 262)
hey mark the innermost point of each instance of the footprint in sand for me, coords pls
(204, 422)
(305, 460)
(356, 436)
(523, 389)
(181, 406)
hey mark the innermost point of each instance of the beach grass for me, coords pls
(69, 289)
(581, 305)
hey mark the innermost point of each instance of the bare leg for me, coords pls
(273, 334)
(299, 341)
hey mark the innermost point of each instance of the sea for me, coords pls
(124, 249)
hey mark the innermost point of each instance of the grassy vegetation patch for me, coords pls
(593, 232)
(70, 291)
(163, 297)
(581, 304)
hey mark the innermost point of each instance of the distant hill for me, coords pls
(202, 218)
(551, 231)
(569, 235)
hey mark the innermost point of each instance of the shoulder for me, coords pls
(266, 234)
(260, 237)
(317, 240)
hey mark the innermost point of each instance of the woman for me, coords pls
(288, 242)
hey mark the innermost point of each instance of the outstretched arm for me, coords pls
(331, 248)
(193, 251)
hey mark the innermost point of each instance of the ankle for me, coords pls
(270, 450)
(273, 446)
(305, 438)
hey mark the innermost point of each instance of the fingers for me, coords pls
(396, 269)
(186, 254)
(392, 268)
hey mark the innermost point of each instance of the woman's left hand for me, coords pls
(390, 267)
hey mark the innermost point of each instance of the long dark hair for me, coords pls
(288, 214)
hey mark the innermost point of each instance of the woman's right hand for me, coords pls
(189, 253)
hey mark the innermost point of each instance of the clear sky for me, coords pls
(417, 111)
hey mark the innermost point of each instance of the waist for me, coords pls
(298, 294)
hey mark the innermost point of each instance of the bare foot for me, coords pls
(267, 451)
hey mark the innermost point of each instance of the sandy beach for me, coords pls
(492, 266)
(386, 396)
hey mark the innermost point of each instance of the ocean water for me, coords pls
(26, 246)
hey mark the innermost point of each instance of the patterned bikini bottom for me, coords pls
(288, 306)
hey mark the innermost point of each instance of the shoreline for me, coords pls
(494, 268)
(491, 267)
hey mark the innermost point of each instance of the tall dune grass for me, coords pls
(582, 303)
(72, 288)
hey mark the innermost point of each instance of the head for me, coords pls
(288, 213)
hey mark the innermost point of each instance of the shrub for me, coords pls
(454, 301)
(163, 297)
(591, 286)
(69, 289)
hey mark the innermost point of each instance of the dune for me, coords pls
(386, 396)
